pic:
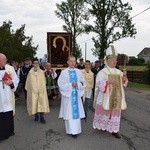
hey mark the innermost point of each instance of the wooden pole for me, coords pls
(85, 50)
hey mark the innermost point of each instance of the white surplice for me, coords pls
(105, 119)
(6, 93)
(73, 126)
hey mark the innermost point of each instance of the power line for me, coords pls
(131, 17)
(141, 12)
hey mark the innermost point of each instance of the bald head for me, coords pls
(2, 55)
(2, 60)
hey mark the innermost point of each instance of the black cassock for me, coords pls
(6, 125)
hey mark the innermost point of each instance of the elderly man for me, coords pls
(51, 86)
(8, 84)
(109, 95)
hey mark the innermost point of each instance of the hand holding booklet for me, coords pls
(6, 77)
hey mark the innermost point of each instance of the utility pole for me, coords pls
(85, 50)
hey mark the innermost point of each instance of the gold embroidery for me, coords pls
(115, 92)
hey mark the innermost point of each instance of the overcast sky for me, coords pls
(39, 18)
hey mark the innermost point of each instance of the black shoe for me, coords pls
(42, 120)
(12, 134)
(85, 118)
(116, 135)
(36, 119)
(74, 135)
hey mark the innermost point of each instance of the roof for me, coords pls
(145, 51)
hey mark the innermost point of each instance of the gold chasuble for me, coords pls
(37, 100)
(114, 98)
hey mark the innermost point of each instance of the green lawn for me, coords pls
(139, 86)
(134, 68)
(133, 84)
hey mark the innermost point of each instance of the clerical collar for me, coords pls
(2, 68)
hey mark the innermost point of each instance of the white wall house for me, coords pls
(145, 54)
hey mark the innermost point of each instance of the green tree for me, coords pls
(111, 21)
(122, 59)
(15, 44)
(72, 12)
(136, 62)
(148, 65)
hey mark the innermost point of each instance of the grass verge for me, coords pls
(139, 86)
(134, 68)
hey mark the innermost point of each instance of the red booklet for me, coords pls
(6, 77)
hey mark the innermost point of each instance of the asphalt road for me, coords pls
(30, 135)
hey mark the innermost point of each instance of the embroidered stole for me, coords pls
(115, 93)
(114, 98)
(74, 95)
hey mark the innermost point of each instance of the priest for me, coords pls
(37, 100)
(109, 95)
(8, 84)
(71, 86)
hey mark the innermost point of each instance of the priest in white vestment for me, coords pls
(109, 95)
(8, 84)
(71, 86)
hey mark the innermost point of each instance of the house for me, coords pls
(145, 54)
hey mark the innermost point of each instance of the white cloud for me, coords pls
(39, 18)
(131, 46)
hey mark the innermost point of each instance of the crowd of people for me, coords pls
(80, 85)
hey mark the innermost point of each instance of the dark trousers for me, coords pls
(6, 125)
(39, 115)
(25, 94)
(86, 105)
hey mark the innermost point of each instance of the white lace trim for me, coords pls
(103, 122)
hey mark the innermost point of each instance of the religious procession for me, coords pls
(79, 86)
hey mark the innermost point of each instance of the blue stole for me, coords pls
(74, 95)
